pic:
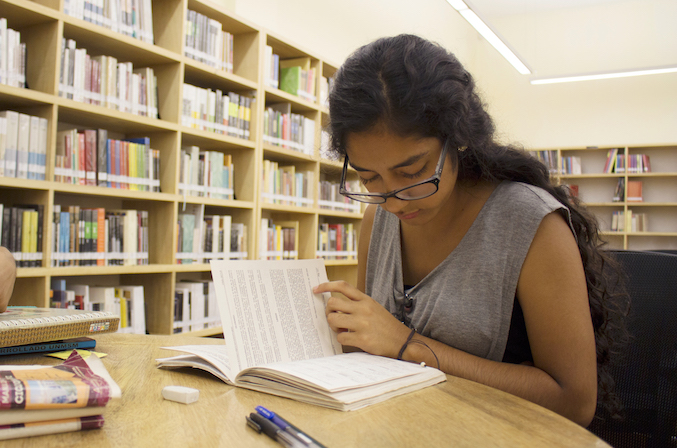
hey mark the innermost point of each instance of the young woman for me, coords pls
(469, 259)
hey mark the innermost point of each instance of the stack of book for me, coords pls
(40, 400)
(207, 42)
(336, 241)
(271, 68)
(206, 173)
(99, 237)
(201, 238)
(195, 306)
(284, 185)
(226, 113)
(12, 56)
(298, 77)
(126, 301)
(103, 81)
(279, 240)
(133, 19)
(282, 127)
(331, 199)
(23, 145)
(89, 157)
(21, 229)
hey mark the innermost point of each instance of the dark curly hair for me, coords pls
(415, 87)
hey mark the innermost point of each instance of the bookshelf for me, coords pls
(597, 188)
(44, 25)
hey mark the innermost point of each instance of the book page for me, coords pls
(345, 372)
(269, 313)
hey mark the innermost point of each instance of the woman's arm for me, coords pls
(7, 277)
(553, 295)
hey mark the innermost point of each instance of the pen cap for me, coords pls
(269, 428)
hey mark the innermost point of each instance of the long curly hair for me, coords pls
(416, 87)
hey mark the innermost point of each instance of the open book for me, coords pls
(278, 341)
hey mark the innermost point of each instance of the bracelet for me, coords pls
(404, 346)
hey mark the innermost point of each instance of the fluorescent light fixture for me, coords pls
(458, 5)
(491, 37)
(607, 75)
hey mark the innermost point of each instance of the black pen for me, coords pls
(262, 424)
(307, 441)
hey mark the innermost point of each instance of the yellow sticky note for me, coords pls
(84, 353)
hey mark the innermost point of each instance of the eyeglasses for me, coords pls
(419, 190)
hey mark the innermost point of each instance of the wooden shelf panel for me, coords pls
(23, 13)
(298, 103)
(212, 140)
(92, 116)
(72, 271)
(12, 97)
(284, 154)
(200, 73)
(102, 41)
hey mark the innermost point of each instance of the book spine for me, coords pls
(47, 347)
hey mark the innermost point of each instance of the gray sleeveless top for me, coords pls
(466, 301)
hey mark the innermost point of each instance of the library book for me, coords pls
(278, 341)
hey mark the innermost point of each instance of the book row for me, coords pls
(207, 42)
(195, 306)
(206, 173)
(331, 199)
(632, 163)
(283, 128)
(226, 113)
(12, 56)
(89, 157)
(129, 17)
(103, 81)
(23, 145)
(297, 77)
(279, 240)
(284, 185)
(126, 301)
(21, 230)
(99, 237)
(201, 238)
(634, 191)
(549, 159)
(337, 241)
(571, 165)
(629, 222)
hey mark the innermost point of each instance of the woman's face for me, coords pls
(386, 161)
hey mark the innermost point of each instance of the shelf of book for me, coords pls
(625, 187)
(164, 119)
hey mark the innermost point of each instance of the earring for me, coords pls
(462, 148)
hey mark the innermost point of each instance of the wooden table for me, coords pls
(457, 413)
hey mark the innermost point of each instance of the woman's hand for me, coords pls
(362, 322)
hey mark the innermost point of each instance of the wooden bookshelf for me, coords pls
(43, 24)
(597, 187)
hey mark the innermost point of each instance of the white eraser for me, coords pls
(181, 394)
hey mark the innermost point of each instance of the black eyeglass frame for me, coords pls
(362, 197)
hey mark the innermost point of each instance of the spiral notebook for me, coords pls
(30, 325)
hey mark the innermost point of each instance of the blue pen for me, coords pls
(289, 428)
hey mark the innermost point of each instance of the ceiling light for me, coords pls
(607, 75)
(458, 5)
(491, 37)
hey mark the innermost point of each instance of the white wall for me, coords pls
(640, 110)
(334, 28)
(628, 111)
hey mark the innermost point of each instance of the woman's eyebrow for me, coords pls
(410, 161)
